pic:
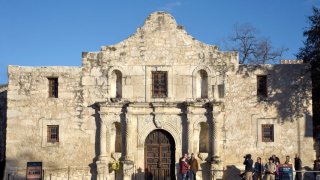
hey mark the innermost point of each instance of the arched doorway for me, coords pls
(159, 155)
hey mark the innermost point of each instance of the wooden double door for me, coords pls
(159, 156)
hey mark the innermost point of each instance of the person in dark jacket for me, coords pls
(298, 167)
(258, 169)
(248, 162)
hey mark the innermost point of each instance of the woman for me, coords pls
(258, 169)
(184, 167)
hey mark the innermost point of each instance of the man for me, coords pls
(248, 162)
(298, 167)
(270, 169)
(194, 167)
(184, 167)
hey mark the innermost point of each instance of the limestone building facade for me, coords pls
(147, 100)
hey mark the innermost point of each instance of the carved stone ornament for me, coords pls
(116, 156)
(203, 156)
(128, 168)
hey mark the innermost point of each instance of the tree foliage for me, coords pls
(310, 53)
(311, 50)
(253, 49)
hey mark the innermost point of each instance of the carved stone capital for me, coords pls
(109, 118)
(128, 168)
(218, 106)
(103, 159)
(101, 167)
(203, 156)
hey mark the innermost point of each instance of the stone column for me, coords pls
(102, 163)
(128, 164)
(128, 144)
(215, 151)
(103, 142)
(110, 112)
(216, 165)
(190, 129)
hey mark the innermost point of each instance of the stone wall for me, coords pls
(30, 110)
(288, 107)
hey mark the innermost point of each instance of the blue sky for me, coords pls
(55, 32)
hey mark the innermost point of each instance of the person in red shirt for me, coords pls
(184, 167)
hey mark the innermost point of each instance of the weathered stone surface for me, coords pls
(113, 89)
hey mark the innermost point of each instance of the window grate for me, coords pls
(159, 84)
(267, 133)
(53, 133)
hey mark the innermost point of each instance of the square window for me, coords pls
(267, 133)
(52, 133)
(53, 87)
(159, 84)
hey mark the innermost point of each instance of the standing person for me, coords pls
(184, 156)
(270, 169)
(274, 158)
(316, 167)
(248, 169)
(184, 167)
(298, 167)
(288, 161)
(277, 162)
(194, 167)
(258, 169)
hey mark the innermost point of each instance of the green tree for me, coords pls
(310, 53)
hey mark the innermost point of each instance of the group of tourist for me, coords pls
(188, 167)
(270, 170)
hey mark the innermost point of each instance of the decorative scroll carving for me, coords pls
(128, 168)
(168, 125)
